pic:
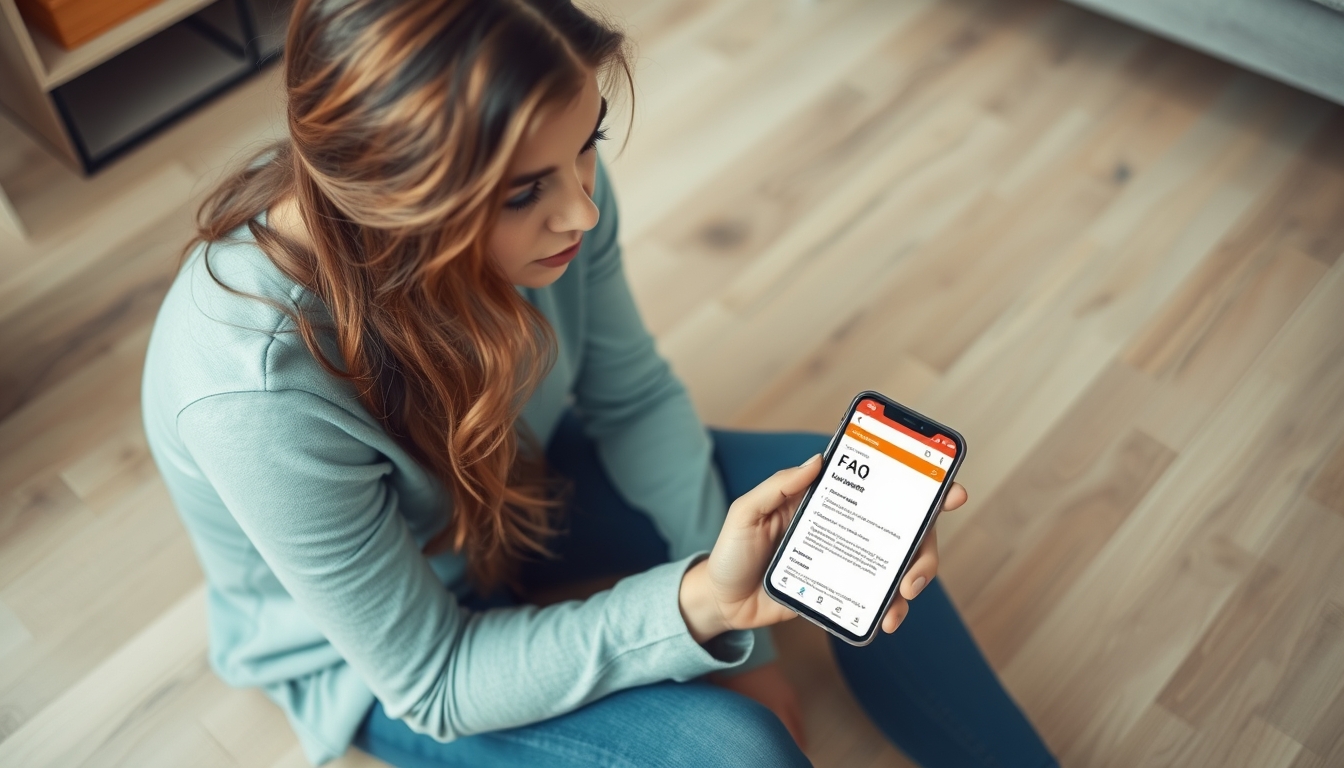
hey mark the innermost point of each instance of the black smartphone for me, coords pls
(884, 477)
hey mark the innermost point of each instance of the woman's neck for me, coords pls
(284, 219)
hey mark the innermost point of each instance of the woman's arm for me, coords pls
(649, 438)
(297, 472)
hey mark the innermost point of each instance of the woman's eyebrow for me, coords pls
(528, 178)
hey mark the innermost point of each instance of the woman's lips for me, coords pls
(562, 258)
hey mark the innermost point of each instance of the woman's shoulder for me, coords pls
(226, 325)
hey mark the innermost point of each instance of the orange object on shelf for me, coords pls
(74, 22)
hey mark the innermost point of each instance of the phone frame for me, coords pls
(924, 426)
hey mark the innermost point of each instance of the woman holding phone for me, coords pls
(399, 385)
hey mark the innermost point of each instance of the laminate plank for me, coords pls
(1082, 512)
(1308, 759)
(35, 675)
(34, 519)
(1254, 301)
(679, 153)
(113, 218)
(44, 433)
(1261, 745)
(1073, 193)
(732, 344)
(55, 593)
(818, 167)
(1325, 743)
(162, 731)
(12, 631)
(1276, 621)
(114, 468)
(1314, 675)
(70, 730)
(82, 317)
(1239, 736)
(1155, 741)
(351, 759)
(248, 726)
(1046, 349)
(1328, 486)
(1162, 578)
(1051, 473)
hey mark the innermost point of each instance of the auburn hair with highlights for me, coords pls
(403, 117)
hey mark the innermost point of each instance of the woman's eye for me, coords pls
(525, 199)
(599, 135)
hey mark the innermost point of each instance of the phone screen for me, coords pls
(863, 518)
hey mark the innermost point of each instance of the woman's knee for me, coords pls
(720, 728)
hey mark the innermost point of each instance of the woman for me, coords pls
(401, 385)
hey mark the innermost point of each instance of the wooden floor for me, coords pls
(1112, 263)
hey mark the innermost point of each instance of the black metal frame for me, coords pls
(249, 52)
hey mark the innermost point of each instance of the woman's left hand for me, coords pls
(755, 522)
(767, 683)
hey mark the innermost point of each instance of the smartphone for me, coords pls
(856, 531)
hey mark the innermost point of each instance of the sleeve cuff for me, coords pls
(762, 653)
(680, 656)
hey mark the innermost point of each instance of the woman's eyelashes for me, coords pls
(526, 199)
(599, 135)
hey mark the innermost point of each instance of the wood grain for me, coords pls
(1111, 262)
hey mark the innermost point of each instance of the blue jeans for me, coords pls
(927, 687)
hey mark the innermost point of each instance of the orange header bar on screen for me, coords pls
(874, 409)
(900, 454)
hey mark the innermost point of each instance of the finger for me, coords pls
(895, 615)
(923, 569)
(777, 489)
(956, 496)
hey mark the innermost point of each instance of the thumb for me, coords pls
(777, 489)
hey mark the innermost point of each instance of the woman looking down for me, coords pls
(399, 386)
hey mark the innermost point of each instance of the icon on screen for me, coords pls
(784, 580)
(928, 454)
(801, 590)
(818, 599)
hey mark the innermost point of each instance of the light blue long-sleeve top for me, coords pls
(308, 519)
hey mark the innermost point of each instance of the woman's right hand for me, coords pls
(725, 592)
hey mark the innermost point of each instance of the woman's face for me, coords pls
(549, 205)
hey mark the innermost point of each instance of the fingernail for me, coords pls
(815, 456)
(917, 586)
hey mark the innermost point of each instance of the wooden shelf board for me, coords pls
(62, 66)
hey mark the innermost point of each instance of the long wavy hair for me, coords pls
(403, 118)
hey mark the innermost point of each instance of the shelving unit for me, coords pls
(90, 104)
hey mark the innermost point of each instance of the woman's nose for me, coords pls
(577, 211)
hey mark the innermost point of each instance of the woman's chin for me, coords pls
(537, 276)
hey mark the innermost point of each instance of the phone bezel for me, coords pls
(922, 423)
